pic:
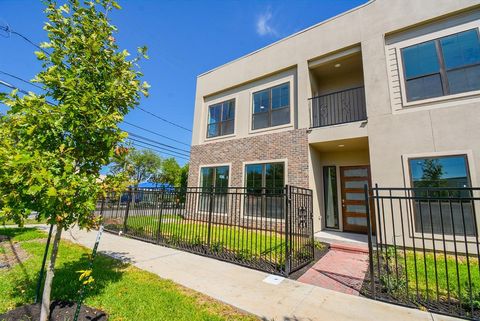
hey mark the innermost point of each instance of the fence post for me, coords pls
(127, 209)
(287, 231)
(210, 210)
(159, 231)
(370, 246)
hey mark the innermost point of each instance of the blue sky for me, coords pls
(185, 38)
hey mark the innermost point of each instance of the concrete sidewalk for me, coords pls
(245, 288)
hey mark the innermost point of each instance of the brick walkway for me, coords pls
(342, 269)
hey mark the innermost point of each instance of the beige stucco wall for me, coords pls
(394, 131)
(320, 159)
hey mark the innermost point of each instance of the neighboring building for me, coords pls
(379, 94)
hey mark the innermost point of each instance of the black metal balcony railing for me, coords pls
(338, 108)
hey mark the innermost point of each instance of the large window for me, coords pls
(444, 66)
(443, 179)
(271, 107)
(214, 183)
(221, 119)
(264, 183)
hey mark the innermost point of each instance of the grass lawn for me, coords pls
(121, 290)
(441, 271)
(245, 242)
(27, 221)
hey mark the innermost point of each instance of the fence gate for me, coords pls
(265, 229)
(299, 220)
(425, 250)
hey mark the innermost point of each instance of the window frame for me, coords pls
(222, 121)
(468, 154)
(200, 187)
(399, 45)
(244, 182)
(269, 87)
(442, 72)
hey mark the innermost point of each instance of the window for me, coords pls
(330, 196)
(444, 66)
(264, 194)
(441, 178)
(214, 183)
(271, 107)
(221, 119)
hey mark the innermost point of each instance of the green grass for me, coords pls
(121, 290)
(26, 221)
(427, 270)
(244, 242)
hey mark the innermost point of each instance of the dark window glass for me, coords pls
(444, 66)
(271, 107)
(214, 180)
(330, 196)
(221, 119)
(420, 60)
(439, 185)
(264, 183)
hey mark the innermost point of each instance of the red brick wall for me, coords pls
(291, 145)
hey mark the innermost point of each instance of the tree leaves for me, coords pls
(52, 154)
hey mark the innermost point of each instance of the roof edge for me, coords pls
(288, 37)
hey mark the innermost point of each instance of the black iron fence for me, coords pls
(425, 249)
(338, 108)
(265, 229)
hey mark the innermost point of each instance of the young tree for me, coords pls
(184, 176)
(140, 165)
(52, 153)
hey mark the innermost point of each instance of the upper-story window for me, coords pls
(221, 119)
(271, 107)
(444, 66)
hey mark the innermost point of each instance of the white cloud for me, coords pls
(264, 24)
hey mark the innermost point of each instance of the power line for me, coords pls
(165, 120)
(9, 30)
(159, 151)
(21, 79)
(156, 146)
(6, 84)
(155, 142)
(152, 132)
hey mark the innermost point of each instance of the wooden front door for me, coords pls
(354, 209)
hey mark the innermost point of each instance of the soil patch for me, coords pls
(11, 253)
(59, 311)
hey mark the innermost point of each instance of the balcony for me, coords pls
(340, 107)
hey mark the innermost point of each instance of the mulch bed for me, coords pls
(60, 311)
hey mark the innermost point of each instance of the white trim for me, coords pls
(290, 79)
(206, 106)
(441, 101)
(473, 180)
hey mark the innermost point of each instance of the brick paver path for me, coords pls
(342, 269)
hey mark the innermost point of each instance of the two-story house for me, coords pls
(387, 93)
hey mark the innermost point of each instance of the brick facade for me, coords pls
(290, 145)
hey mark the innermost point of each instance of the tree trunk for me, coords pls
(47, 288)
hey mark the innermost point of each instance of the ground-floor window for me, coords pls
(264, 190)
(444, 179)
(214, 184)
(330, 196)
